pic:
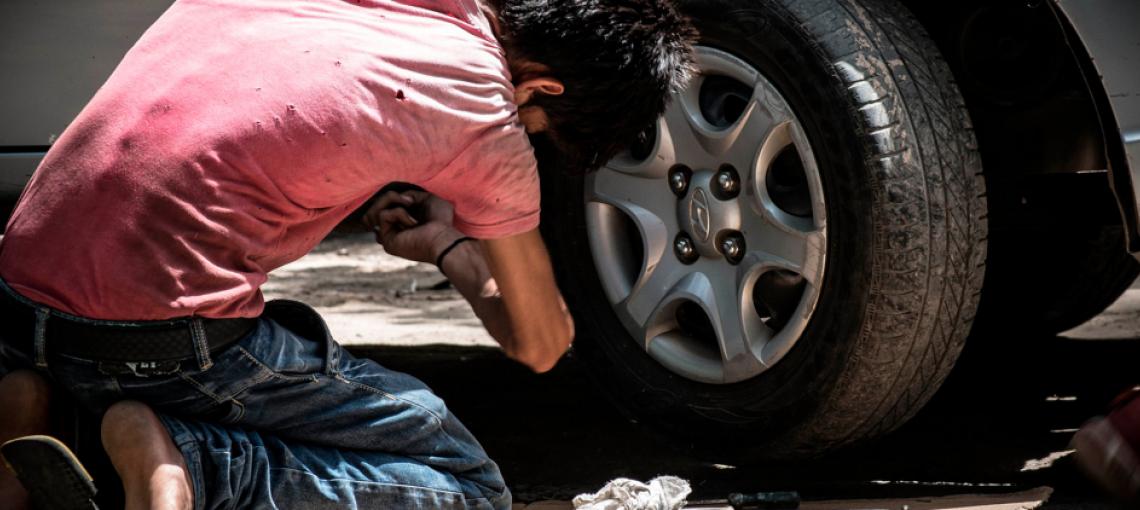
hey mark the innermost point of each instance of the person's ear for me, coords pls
(526, 90)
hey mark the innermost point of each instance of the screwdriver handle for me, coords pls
(764, 501)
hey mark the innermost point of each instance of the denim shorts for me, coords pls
(286, 418)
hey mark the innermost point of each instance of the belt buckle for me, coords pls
(139, 368)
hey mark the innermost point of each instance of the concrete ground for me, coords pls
(369, 297)
(995, 436)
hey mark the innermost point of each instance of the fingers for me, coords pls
(386, 201)
(403, 199)
(392, 198)
(417, 196)
(393, 221)
(396, 218)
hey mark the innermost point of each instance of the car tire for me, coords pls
(905, 237)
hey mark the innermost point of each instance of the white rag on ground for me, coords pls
(661, 493)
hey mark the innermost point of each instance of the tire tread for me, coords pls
(923, 326)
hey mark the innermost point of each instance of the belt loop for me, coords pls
(39, 345)
(201, 345)
(332, 357)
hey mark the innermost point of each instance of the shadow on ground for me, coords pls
(1001, 423)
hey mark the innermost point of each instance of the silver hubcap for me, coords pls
(710, 240)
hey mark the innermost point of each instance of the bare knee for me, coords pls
(153, 471)
(26, 388)
(30, 394)
(126, 412)
(123, 419)
(132, 436)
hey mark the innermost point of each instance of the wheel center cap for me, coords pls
(700, 216)
(703, 215)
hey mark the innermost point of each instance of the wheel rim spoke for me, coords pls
(766, 111)
(606, 246)
(656, 164)
(745, 136)
(738, 330)
(625, 190)
(794, 242)
(774, 344)
(729, 357)
(773, 242)
(699, 141)
(655, 288)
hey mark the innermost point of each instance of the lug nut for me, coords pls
(726, 183)
(732, 246)
(679, 177)
(684, 248)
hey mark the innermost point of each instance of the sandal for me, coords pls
(52, 475)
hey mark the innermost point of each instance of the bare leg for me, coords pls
(27, 394)
(153, 471)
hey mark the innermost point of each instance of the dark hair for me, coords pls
(619, 60)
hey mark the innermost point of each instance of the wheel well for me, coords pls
(1035, 117)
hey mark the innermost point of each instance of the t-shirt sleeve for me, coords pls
(493, 184)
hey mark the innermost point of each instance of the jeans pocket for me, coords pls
(233, 373)
(252, 373)
(225, 410)
(270, 357)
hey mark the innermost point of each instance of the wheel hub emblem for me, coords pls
(699, 215)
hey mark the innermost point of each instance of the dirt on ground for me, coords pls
(370, 297)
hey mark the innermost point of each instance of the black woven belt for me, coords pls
(169, 340)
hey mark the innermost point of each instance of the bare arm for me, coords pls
(511, 287)
(509, 282)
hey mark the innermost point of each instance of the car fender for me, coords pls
(1103, 37)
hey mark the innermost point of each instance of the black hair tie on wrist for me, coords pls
(442, 254)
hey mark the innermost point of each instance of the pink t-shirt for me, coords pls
(237, 133)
